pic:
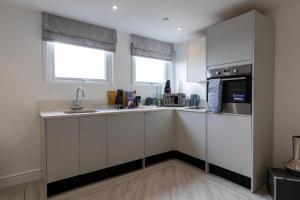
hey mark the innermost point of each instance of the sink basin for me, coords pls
(196, 108)
(80, 111)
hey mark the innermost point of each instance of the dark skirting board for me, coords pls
(81, 180)
(230, 175)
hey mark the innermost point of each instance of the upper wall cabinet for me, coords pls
(196, 60)
(230, 41)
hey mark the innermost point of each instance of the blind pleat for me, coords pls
(61, 29)
(147, 47)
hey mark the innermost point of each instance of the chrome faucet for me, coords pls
(76, 103)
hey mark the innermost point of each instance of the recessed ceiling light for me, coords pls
(166, 19)
(179, 28)
(114, 7)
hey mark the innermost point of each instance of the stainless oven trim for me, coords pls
(233, 79)
(237, 108)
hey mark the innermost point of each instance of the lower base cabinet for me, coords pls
(159, 132)
(191, 133)
(93, 145)
(80, 145)
(229, 140)
(125, 134)
(62, 148)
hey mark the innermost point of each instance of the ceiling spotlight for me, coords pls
(166, 19)
(179, 28)
(114, 7)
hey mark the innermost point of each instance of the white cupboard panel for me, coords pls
(62, 148)
(93, 145)
(191, 133)
(196, 61)
(229, 142)
(159, 137)
(125, 134)
(230, 41)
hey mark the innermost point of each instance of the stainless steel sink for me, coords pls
(80, 111)
(196, 108)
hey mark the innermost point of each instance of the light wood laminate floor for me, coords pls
(171, 180)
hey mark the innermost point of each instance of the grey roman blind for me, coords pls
(60, 29)
(146, 47)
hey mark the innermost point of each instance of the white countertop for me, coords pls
(61, 114)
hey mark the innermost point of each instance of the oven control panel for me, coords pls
(229, 71)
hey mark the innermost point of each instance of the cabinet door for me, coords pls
(191, 133)
(62, 148)
(125, 134)
(158, 132)
(93, 145)
(230, 41)
(196, 60)
(229, 142)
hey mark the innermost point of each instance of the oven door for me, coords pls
(237, 95)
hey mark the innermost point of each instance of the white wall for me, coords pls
(22, 86)
(287, 71)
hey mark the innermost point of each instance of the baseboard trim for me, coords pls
(230, 175)
(19, 178)
(85, 179)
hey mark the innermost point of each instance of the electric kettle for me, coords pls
(194, 100)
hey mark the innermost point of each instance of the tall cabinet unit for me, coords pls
(230, 135)
(230, 41)
(246, 39)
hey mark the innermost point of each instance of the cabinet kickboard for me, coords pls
(81, 180)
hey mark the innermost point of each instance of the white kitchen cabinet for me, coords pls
(93, 145)
(230, 41)
(159, 132)
(191, 133)
(196, 60)
(125, 134)
(62, 148)
(229, 142)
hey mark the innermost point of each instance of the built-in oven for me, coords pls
(236, 88)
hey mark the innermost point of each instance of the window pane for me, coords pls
(78, 62)
(150, 70)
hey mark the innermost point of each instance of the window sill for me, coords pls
(87, 82)
(147, 84)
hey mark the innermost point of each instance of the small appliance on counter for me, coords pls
(168, 87)
(150, 101)
(174, 100)
(119, 100)
(111, 98)
(194, 101)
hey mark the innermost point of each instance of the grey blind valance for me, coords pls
(66, 30)
(146, 47)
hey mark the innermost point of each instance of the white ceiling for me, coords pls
(144, 17)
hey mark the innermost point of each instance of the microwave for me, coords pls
(174, 100)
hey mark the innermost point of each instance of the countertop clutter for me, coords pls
(63, 114)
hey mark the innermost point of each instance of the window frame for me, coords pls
(49, 74)
(168, 72)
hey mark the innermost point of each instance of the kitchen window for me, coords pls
(71, 63)
(150, 71)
